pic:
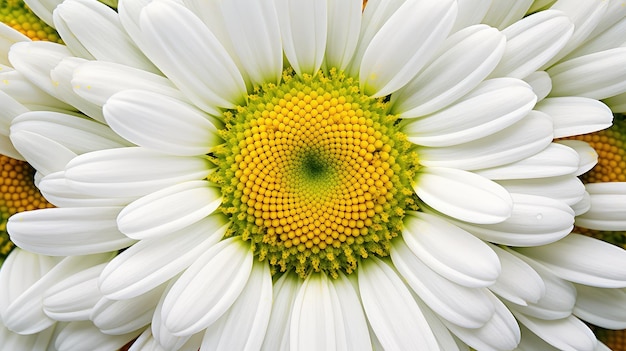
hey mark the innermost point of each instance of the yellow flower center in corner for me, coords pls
(16, 14)
(315, 174)
(17, 194)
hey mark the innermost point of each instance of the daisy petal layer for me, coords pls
(478, 114)
(285, 290)
(8, 37)
(132, 171)
(449, 77)
(148, 263)
(83, 335)
(518, 283)
(344, 22)
(584, 260)
(605, 308)
(568, 188)
(55, 189)
(576, 115)
(68, 231)
(447, 190)
(404, 44)
(178, 40)
(608, 207)
(466, 307)
(393, 314)
(568, 334)
(208, 287)
(450, 251)
(356, 332)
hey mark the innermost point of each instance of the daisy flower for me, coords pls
(313, 175)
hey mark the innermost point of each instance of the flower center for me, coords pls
(315, 174)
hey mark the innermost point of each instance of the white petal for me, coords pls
(605, 308)
(603, 38)
(72, 298)
(576, 115)
(42, 153)
(583, 205)
(254, 31)
(68, 231)
(208, 287)
(313, 319)
(554, 160)
(500, 333)
(344, 23)
(444, 338)
(535, 220)
(587, 155)
(467, 57)
(523, 139)
(568, 189)
(78, 336)
(450, 251)
(43, 9)
(170, 209)
(57, 191)
(518, 282)
(607, 207)
(569, 334)
(243, 326)
(486, 110)
(179, 40)
(128, 172)
(285, 290)
(8, 37)
(161, 123)
(391, 311)
(617, 103)
(303, 29)
(533, 41)
(116, 317)
(540, 82)
(356, 331)
(97, 28)
(447, 191)
(502, 13)
(584, 260)
(470, 12)
(20, 89)
(531, 342)
(404, 44)
(597, 76)
(466, 307)
(152, 262)
(62, 77)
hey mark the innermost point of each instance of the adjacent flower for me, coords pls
(393, 183)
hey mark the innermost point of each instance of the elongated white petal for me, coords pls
(449, 77)
(33, 145)
(568, 189)
(149, 263)
(600, 39)
(77, 336)
(450, 251)
(72, 298)
(68, 231)
(470, 12)
(584, 260)
(605, 308)
(478, 114)
(128, 172)
(391, 311)
(525, 138)
(466, 307)
(447, 191)
(57, 191)
(25, 314)
(356, 335)
(535, 220)
(444, 338)
(285, 290)
(62, 77)
(43, 9)
(531, 342)
(34, 342)
(518, 282)
(243, 326)
(168, 210)
(164, 337)
(344, 23)
(533, 41)
(587, 155)
(540, 82)
(116, 317)
(500, 333)
(312, 323)
(20, 89)
(568, 334)
(208, 287)
(303, 29)
(96, 27)
(8, 37)
(254, 31)
(597, 76)
(554, 160)
(179, 40)
(404, 45)
(161, 123)
(504, 12)
(607, 207)
(576, 115)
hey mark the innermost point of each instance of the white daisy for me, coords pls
(306, 175)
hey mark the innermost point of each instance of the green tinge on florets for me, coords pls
(315, 174)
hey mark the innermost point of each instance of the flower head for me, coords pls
(315, 175)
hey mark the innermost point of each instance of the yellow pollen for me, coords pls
(16, 14)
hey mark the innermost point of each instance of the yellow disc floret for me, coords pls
(17, 194)
(316, 174)
(16, 14)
